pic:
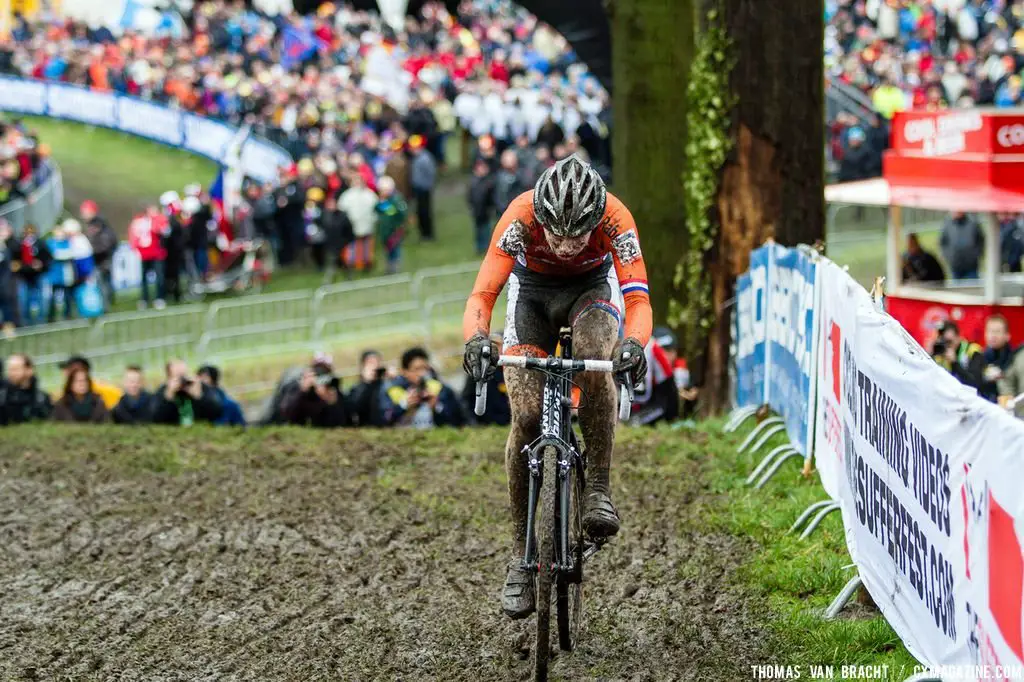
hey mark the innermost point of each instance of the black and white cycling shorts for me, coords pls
(539, 305)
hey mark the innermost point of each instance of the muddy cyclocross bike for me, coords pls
(556, 546)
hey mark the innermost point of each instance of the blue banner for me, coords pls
(183, 130)
(752, 331)
(792, 341)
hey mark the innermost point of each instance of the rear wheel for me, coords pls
(546, 557)
(569, 588)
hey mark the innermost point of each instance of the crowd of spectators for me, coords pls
(184, 398)
(995, 369)
(962, 245)
(364, 110)
(46, 277)
(918, 54)
(22, 162)
(409, 394)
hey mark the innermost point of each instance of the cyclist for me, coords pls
(570, 253)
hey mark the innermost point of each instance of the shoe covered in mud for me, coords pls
(600, 520)
(517, 599)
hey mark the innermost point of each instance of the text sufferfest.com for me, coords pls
(882, 672)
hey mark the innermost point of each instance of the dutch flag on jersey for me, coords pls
(631, 286)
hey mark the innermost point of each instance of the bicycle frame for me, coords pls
(556, 433)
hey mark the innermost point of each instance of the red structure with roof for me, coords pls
(968, 160)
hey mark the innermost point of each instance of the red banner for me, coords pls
(922, 318)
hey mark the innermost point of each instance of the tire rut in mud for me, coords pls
(356, 556)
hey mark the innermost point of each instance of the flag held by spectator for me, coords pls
(299, 43)
(220, 216)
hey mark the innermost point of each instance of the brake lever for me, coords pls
(626, 392)
(481, 386)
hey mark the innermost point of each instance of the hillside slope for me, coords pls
(299, 555)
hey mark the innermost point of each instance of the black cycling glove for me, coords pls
(630, 357)
(472, 359)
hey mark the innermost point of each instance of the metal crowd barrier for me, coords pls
(253, 325)
(42, 207)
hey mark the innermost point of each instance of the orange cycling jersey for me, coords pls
(519, 237)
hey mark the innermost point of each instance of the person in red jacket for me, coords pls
(145, 234)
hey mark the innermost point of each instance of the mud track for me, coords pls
(292, 555)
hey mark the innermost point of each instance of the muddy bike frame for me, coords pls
(557, 433)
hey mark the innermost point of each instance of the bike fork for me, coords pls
(565, 557)
(529, 557)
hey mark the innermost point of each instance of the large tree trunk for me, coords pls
(773, 182)
(653, 44)
(773, 186)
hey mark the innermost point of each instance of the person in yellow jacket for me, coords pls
(888, 99)
(110, 393)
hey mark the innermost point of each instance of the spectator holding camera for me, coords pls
(136, 405)
(80, 403)
(958, 356)
(316, 400)
(364, 398)
(417, 399)
(184, 400)
(997, 356)
(21, 399)
(232, 414)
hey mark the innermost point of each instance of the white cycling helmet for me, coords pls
(570, 197)
(168, 198)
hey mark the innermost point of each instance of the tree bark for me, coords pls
(653, 45)
(772, 186)
(774, 183)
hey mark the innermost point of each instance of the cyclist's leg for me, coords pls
(525, 392)
(595, 323)
(528, 331)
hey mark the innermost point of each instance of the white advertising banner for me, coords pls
(929, 479)
(81, 104)
(839, 299)
(260, 159)
(992, 505)
(27, 97)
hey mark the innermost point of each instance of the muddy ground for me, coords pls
(294, 555)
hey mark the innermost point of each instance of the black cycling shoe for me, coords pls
(518, 599)
(600, 520)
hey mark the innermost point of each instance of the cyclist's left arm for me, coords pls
(623, 242)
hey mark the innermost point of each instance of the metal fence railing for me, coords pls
(42, 207)
(420, 304)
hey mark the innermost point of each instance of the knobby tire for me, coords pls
(569, 595)
(546, 557)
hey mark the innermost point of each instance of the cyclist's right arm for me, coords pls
(496, 268)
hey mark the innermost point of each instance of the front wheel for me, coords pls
(569, 588)
(546, 536)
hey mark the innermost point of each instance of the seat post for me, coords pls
(565, 343)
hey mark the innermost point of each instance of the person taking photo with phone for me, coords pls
(417, 398)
